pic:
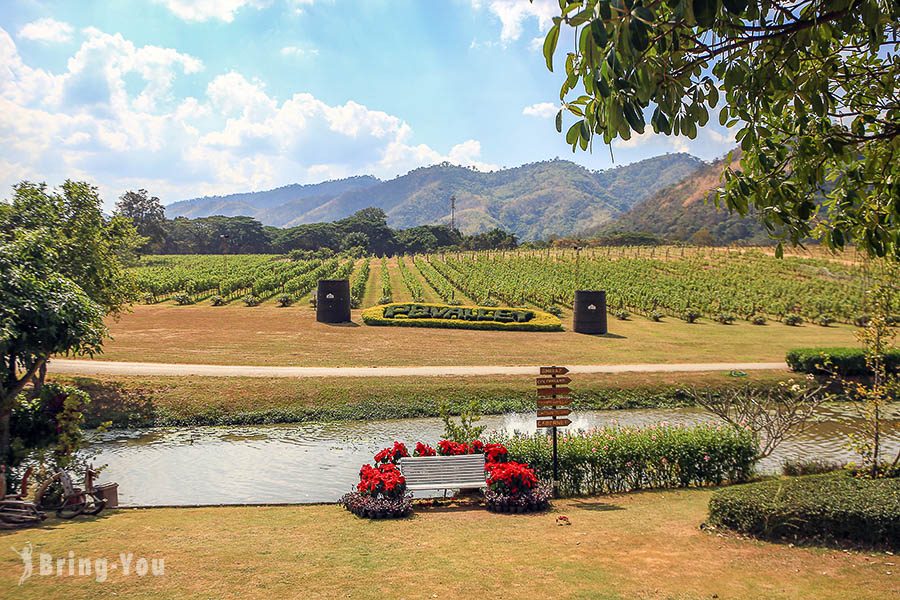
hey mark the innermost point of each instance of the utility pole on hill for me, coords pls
(452, 213)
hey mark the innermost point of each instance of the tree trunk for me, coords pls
(37, 381)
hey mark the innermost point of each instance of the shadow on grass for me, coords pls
(350, 324)
(52, 522)
(595, 505)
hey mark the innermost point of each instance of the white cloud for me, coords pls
(46, 30)
(298, 5)
(87, 123)
(206, 10)
(542, 110)
(513, 13)
(299, 52)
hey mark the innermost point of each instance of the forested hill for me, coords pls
(534, 201)
(685, 211)
(270, 205)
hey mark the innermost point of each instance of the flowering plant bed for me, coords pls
(371, 507)
(533, 500)
(514, 488)
(381, 491)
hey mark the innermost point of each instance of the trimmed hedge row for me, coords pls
(621, 459)
(835, 507)
(845, 361)
(542, 321)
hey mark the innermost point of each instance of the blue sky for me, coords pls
(195, 97)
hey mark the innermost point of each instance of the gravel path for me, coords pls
(99, 367)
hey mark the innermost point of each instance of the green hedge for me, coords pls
(814, 508)
(845, 361)
(619, 459)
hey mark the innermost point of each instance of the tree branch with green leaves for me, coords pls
(812, 88)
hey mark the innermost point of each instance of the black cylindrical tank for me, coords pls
(333, 301)
(590, 311)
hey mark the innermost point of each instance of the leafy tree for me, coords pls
(495, 239)
(147, 214)
(811, 85)
(87, 248)
(355, 239)
(42, 313)
(373, 223)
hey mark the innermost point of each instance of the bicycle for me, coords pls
(15, 511)
(59, 494)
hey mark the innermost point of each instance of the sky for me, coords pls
(187, 98)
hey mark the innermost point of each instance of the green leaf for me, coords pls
(550, 45)
(598, 31)
(735, 7)
(573, 132)
(638, 33)
(704, 12)
(559, 121)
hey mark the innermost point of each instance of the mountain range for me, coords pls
(686, 212)
(534, 201)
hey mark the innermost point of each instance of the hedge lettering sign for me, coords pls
(423, 311)
(419, 314)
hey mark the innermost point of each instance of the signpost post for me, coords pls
(551, 396)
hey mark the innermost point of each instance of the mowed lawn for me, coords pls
(268, 335)
(643, 545)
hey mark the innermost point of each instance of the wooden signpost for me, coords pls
(551, 396)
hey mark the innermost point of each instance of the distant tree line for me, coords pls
(365, 232)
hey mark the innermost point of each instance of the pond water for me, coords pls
(318, 462)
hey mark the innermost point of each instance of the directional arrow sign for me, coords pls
(554, 370)
(554, 401)
(553, 422)
(553, 380)
(556, 391)
(553, 412)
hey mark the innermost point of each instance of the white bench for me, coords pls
(443, 472)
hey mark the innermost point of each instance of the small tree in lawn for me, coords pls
(877, 336)
(42, 313)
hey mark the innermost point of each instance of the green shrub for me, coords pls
(835, 507)
(758, 320)
(250, 300)
(182, 299)
(622, 314)
(656, 316)
(844, 361)
(217, 300)
(619, 459)
(792, 320)
(555, 311)
(285, 301)
(824, 320)
(725, 318)
(691, 316)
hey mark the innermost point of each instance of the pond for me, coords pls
(318, 462)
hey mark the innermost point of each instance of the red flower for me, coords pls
(510, 477)
(450, 448)
(424, 450)
(495, 453)
(392, 454)
(385, 479)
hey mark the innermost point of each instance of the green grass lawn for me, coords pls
(139, 401)
(268, 335)
(644, 545)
